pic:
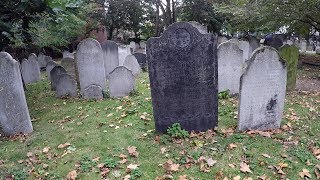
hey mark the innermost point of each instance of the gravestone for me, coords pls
(222, 39)
(14, 113)
(132, 47)
(123, 51)
(201, 28)
(110, 56)
(66, 86)
(69, 65)
(54, 76)
(46, 60)
(41, 60)
(245, 47)
(121, 82)
(67, 54)
(275, 42)
(303, 45)
(291, 55)
(35, 69)
(90, 66)
(143, 45)
(183, 72)
(132, 64)
(262, 91)
(49, 67)
(142, 60)
(26, 71)
(230, 67)
(254, 44)
(318, 50)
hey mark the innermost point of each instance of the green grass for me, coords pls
(106, 128)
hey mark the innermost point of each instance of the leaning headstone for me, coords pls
(49, 67)
(262, 91)
(142, 60)
(14, 113)
(41, 60)
(66, 86)
(110, 56)
(183, 72)
(35, 69)
(69, 65)
(67, 54)
(230, 67)
(291, 55)
(121, 82)
(303, 45)
(54, 76)
(132, 64)
(26, 71)
(91, 72)
(123, 51)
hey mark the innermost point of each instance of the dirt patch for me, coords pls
(310, 59)
(309, 74)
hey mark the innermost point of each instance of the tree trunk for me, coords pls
(174, 18)
(168, 13)
(157, 19)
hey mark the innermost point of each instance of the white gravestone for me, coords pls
(110, 56)
(121, 82)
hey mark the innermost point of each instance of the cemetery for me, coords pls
(166, 89)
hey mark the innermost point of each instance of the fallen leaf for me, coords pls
(123, 161)
(163, 150)
(46, 150)
(72, 175)
(281, 172)
(247, 178)
(61, 146)
(236, 178)
(283, 165)
(211, 162)
(132, 166)
(133, 151)
(266, 155)
(232, 146)
(184, 177)
(263, 177)
(127, 177)
(245, 168)
(317, 171)
(104, 172)
(170, 166)
(305, 173)
(232, 165)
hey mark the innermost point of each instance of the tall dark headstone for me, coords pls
(54, 76)
(142, 60)
(183, 72)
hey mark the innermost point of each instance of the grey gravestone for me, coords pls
(303, 45)
(14, 113)
(69, 65)
(222, 39)
(318, 50)
(110, 56)
(142, 60)
(67, 54)
(54, 76)
(254, 44)
(49, 67)
(245, 47)
(35, 69)
(132, 46)
(262, 91)
(90, 66)
(123, 51)
(121, 82)
(230, 67)
(183, 72)
(46, 60)
(66, 86)
(26, 71)
(41, 60)
(132, 64)
(201, 28)
(143, 45)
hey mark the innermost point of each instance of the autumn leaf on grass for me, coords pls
(305, 173)
(317, 171)
(170, 166)
(46, 150)
(184, 177)
(266, 155)
(245, 168)
(132, 150)
(131, 167)
(316, 153)
(236, 178)
(61, 146)
(232, 146)
(104, 172)
(72, 175)
(211, 162)
(163, 150)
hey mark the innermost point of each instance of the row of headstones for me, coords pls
(304, 45)
(93, 65)
(232, 57)
(183, 69)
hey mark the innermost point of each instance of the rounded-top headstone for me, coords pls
(41, 60)
(183, 73)
(54, 76)
(14, 113)
(142, 60)
(69, 65)
(66, 86)
(110, 56)
(121, 82)
(34, 65)
(90, 65)
(230, 67)
(26, 71)
(50, 65)
(123, 51)
(291, 55)
(132, 64)
(262, 91)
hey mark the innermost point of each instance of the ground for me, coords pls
(115, 138)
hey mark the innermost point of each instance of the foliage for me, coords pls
(19, 174)
(86, 163)
(224, 95)
(110, 163)
(176, 131)
(135, 174)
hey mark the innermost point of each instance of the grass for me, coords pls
(99, 131)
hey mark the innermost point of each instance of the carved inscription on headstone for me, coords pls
(183, 78)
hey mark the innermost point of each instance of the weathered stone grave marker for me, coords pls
(14, 113)
(262, 91)
(66, 86)
(49, 67)
(34, 67)
(90, 65)
(69, 65)
(54, 76)
(132, 64)
(183, 72)
(121, 82)
(142, 60)
(110, 56)
(291, 55)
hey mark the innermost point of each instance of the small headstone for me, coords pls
(67, 54)
(42, 61)
(132, 47)
(49, 67)
(230, 67)
(143, 45)
(69, 65)
(303, 45)
(123, 51)
(35, 69)
(110, 56)
(132, 64)
(291, 55)
(142, 60)
(318, 50)
(121, 82)
(46, 60)
(245, 47)
(66, 86)
(14, 113)
(26, 71)
(183, 72)
(54, 76)
(90, 65)
(262, 91)
(254, 44)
